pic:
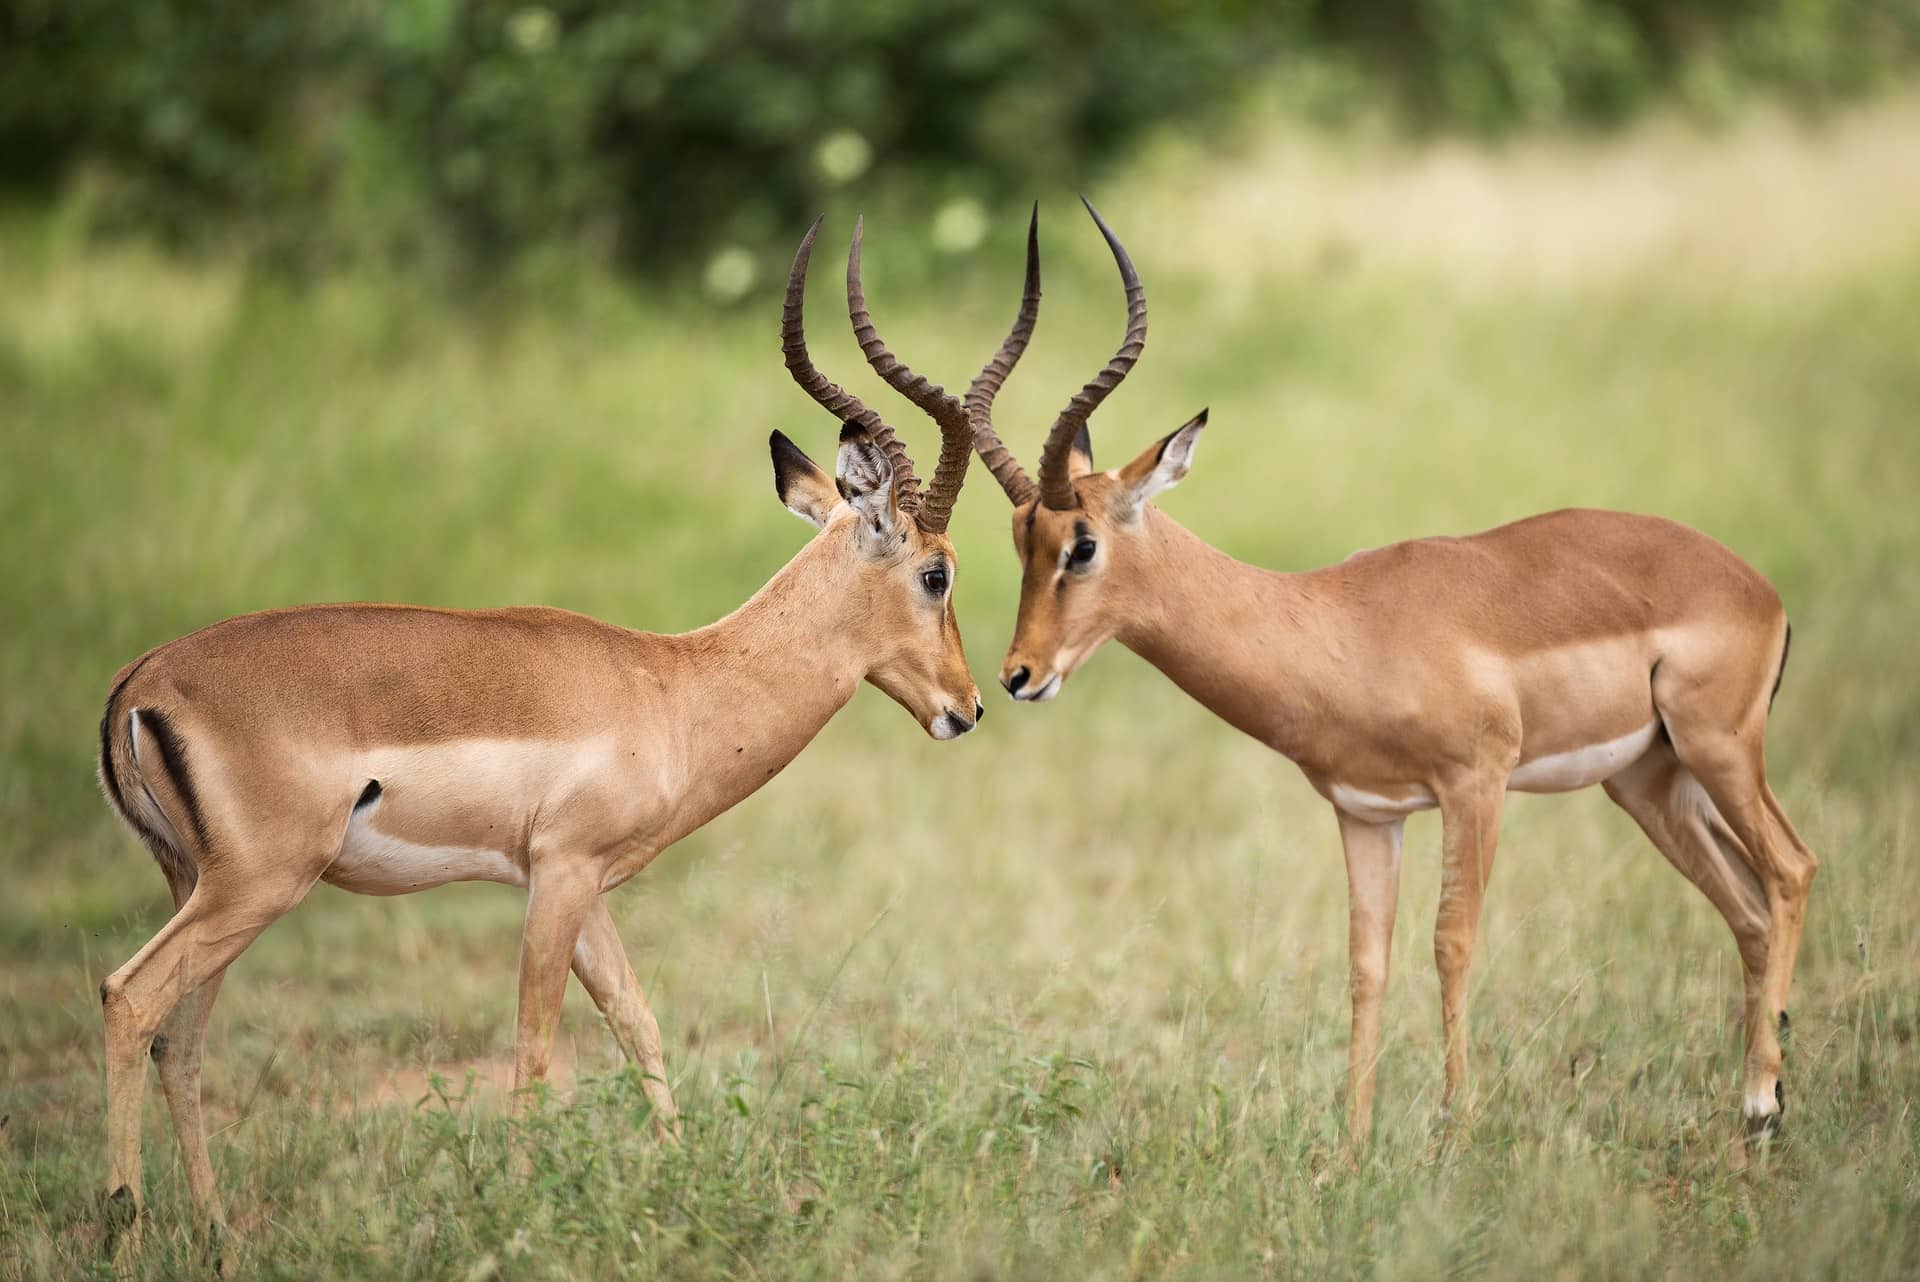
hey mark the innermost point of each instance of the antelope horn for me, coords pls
(999, 459)
(956, 439)
(1056, 488)
(839, 402)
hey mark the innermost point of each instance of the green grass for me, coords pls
(1066, 998)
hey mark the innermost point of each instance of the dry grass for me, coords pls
(1767, 200)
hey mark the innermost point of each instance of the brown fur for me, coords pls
(1427, 672)
(536, 746)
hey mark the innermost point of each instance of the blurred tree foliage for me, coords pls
(465, 129)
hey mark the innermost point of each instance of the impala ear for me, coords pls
(1162, 465)
(1080, 457)
(806, 490)
(865, 478)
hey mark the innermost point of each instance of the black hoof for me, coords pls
(121, 1208)
(119, 1212)
(1780, 1096)
(1763, 1128)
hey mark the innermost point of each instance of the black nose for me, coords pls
(979, 711)
(1014, 680)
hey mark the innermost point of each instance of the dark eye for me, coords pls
(1082, 552)
(935, 580)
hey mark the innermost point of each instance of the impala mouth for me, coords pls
(1020, 684)
(1038, 693)
(951, 725)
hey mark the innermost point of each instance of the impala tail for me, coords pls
(144, 772)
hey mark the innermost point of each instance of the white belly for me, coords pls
(1581, 767)
(372, 862)
(1560, 772)
(1376, 808)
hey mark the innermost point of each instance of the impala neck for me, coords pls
(1251, 645)
(750, 691)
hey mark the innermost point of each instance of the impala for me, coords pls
(387, 749)
(1564, 650)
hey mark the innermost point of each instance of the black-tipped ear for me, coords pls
(1191, 427)
(1160, 466)
(789, 462)
(806, 491)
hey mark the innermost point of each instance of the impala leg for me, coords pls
(1470, 832)
(559, 902)
(1373, 893)
(1680, 819)
(177, 1052)
(1807, 863)
(1730, 769)
(1786, 870)
(604, 971)
(140, 999)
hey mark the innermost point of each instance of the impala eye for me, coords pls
(935, 580)
(1082, 552)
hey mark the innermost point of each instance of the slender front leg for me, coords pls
(1470, 830)
(1373, 894)
(602, 967)
(560, 897)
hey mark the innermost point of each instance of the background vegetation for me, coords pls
(1066, 998)
(459, 131)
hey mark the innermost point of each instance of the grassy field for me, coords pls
(1037, 1020)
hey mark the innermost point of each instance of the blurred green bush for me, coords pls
(461, 130)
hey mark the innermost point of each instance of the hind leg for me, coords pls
(1737, 787)
(1679, 818)
(1809, 863)
(178, 1050)
(1724, 753)
(214, 926)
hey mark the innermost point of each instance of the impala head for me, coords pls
(1083, 537)
(888, 534)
